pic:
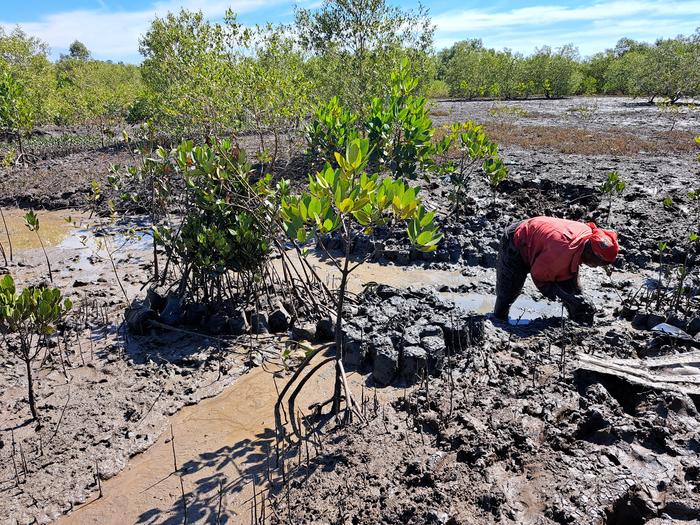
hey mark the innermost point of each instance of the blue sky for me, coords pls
(111, 28)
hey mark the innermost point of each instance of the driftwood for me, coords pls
(677, 373)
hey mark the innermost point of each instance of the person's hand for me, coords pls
(584, 313)
(580, 309)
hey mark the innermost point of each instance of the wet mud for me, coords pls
(507, 429)
(512, 431)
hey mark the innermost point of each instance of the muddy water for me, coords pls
(524, 310)
(54, 227)
(226, 441)
(368, 272)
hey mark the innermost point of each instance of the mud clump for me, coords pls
(403, 335)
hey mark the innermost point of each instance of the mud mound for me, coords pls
(546, 197)
(405, 335)
(508, 435)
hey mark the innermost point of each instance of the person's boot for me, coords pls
(500, 311)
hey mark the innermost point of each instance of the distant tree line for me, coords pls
(668, 68)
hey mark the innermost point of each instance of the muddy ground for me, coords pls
(505, 433)
(102, 396)
(511, 431)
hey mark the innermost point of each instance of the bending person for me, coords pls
(551, 251)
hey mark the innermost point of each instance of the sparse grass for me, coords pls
(503, 110)
(571, 140)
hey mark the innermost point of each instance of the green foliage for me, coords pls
(339, 196)
(612, 187)
(189, 73)
(33, 311)
(31, 315)
(274, 91)
(26, 58)
(31, 221)
(399, 127)
(208, 79)
(218, 237)
(668, 68)
(78, 50)
(16, 115)
(613, 184)
(475, 153)
(355, 44)
(473, 71)
(228, 216)
(96, 92)
(331, 128)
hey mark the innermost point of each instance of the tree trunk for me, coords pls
(30, 385)
(339, 354)
(21, 147)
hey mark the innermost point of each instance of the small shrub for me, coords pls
(32, 316)
(612, 187)
(475, 153)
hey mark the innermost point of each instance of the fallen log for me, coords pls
(677, 373)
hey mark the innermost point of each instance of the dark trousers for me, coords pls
(511, 272)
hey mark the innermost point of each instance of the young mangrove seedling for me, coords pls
(347, 200)
(31, 220)
(612, 187)
(31, 315)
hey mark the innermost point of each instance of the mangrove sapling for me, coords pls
(662, 247)
(399, 127)
(496, 173)
(694, 196)
(16, 113)
(331, 128)
(32, 222)
(343, 199)
(612, 187)
(32, 316)
(475, 152)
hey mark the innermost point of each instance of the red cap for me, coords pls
(604, 243)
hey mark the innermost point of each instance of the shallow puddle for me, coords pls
(524, 310)
(369, 272)
(68, 230)
(54, 227)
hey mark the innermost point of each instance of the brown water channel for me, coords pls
(221, 445)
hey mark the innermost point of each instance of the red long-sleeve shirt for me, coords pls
(551, 247)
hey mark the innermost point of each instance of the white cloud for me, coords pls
(591, 28)
(115, 34)
(472, 19)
